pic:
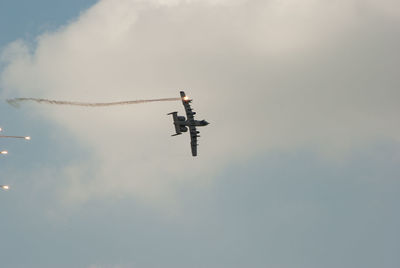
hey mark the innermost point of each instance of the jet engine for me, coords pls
(181, 118)
(183, 129)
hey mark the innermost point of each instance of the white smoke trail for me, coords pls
(16, 137)
(15, 102)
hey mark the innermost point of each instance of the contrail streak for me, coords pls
(16, 137)
(15, 102)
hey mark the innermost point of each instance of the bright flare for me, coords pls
(3, 152)
(28, 138)
(186, 98)
(5, 187)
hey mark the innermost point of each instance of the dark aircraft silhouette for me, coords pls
(182, 124)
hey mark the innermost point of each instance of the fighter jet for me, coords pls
(182, 124)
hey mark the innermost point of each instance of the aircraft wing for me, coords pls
(193, 139)
(190, 118)
(186, 103)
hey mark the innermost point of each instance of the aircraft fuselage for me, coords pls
(188, 123)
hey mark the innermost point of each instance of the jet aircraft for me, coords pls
(182, 124)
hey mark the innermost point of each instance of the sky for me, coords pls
(299, 166)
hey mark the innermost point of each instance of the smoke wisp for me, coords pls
(16, 102)
(15, 137)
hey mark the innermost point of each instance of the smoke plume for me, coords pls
(16, 101)
(15, 137)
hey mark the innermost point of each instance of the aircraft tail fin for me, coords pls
(175, 118)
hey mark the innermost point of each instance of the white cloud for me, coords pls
(389, 8)
(266, 74)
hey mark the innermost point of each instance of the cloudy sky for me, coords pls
(298, 168)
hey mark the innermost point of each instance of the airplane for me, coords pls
(182, 124)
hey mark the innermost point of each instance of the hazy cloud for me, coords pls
(265, 74)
